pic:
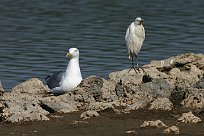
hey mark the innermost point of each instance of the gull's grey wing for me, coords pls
(54, 80)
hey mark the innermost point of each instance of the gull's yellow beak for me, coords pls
(68, 54)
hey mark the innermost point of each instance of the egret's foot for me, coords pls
(142, 69)
(136, 69)
(131, 69)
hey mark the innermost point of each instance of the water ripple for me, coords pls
(35, 35)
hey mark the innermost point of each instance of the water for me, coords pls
(35, 35)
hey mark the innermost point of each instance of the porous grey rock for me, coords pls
(170, 78)
(130, 132)
(108, 92)
(189, 117)
(154, 73)
(178, 79)
(16, 118)
(140, 102)
(188, 67)
(93, 85)
(157, 124)
(127, 77)
(32, 86)
(172, 130)
(100, 106)
(22, 103)
(63, 104)
(161, 104)
(194, 99)
(177, 96)
(179, 61)
(189, 73)
(199, 84)
(89, 114)
(22, 107)
(158, 88)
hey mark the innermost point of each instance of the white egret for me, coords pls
(61, 82)
(134, 38)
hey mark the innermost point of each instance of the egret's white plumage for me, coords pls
(68, 80)
(134, 38)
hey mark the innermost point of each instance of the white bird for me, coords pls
(134, 38)
(61, 82)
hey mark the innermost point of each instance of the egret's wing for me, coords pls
(127, 33)
(129, 38)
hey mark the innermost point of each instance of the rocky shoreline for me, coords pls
(176, 83)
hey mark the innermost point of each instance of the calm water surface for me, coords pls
(35, 35)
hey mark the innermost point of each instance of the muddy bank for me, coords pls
(108, 123)
(175, 84)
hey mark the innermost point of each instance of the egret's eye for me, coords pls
(75, 51)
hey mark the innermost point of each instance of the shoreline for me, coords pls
(172, 87)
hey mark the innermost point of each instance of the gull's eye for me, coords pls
(75, 51)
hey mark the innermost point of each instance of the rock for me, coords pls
(187, 67)
(157, 124)
(100, 106)
(194, 99)
(154, 73)
(22, 103)
(161, 104)
(158, 88)
(63, 104)
(141, 102)
(189, 73)
(93, 86)
(121, 111)
(172, 130)
(2, 105)
(199, 84)
(126, 77)
(178, 80)
(16, 118)
(108, 92)
(88, 114)
(79, 122)
(177, 96)
(179, 61)
(32, 86)
(138, 105)
(130, 132)
(189, 118)
(170, 78)
(1, 89)
(125, 90)
(22, 107)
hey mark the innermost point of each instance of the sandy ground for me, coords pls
(107, 124)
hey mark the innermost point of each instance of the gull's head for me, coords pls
(138, 21)
(73, 52)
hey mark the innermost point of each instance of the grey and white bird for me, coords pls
(61, 82)
(135, 36)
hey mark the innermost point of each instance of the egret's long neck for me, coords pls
(73, 68)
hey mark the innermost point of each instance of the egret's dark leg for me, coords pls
(137, 66)
(132, 59)
(132, 62)
(136, 61)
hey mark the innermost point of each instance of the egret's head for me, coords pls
(138, 21)
(73, 52)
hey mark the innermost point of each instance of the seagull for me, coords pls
(134, 38)
(61, 82)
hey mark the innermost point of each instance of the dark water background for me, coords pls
(35, 34)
